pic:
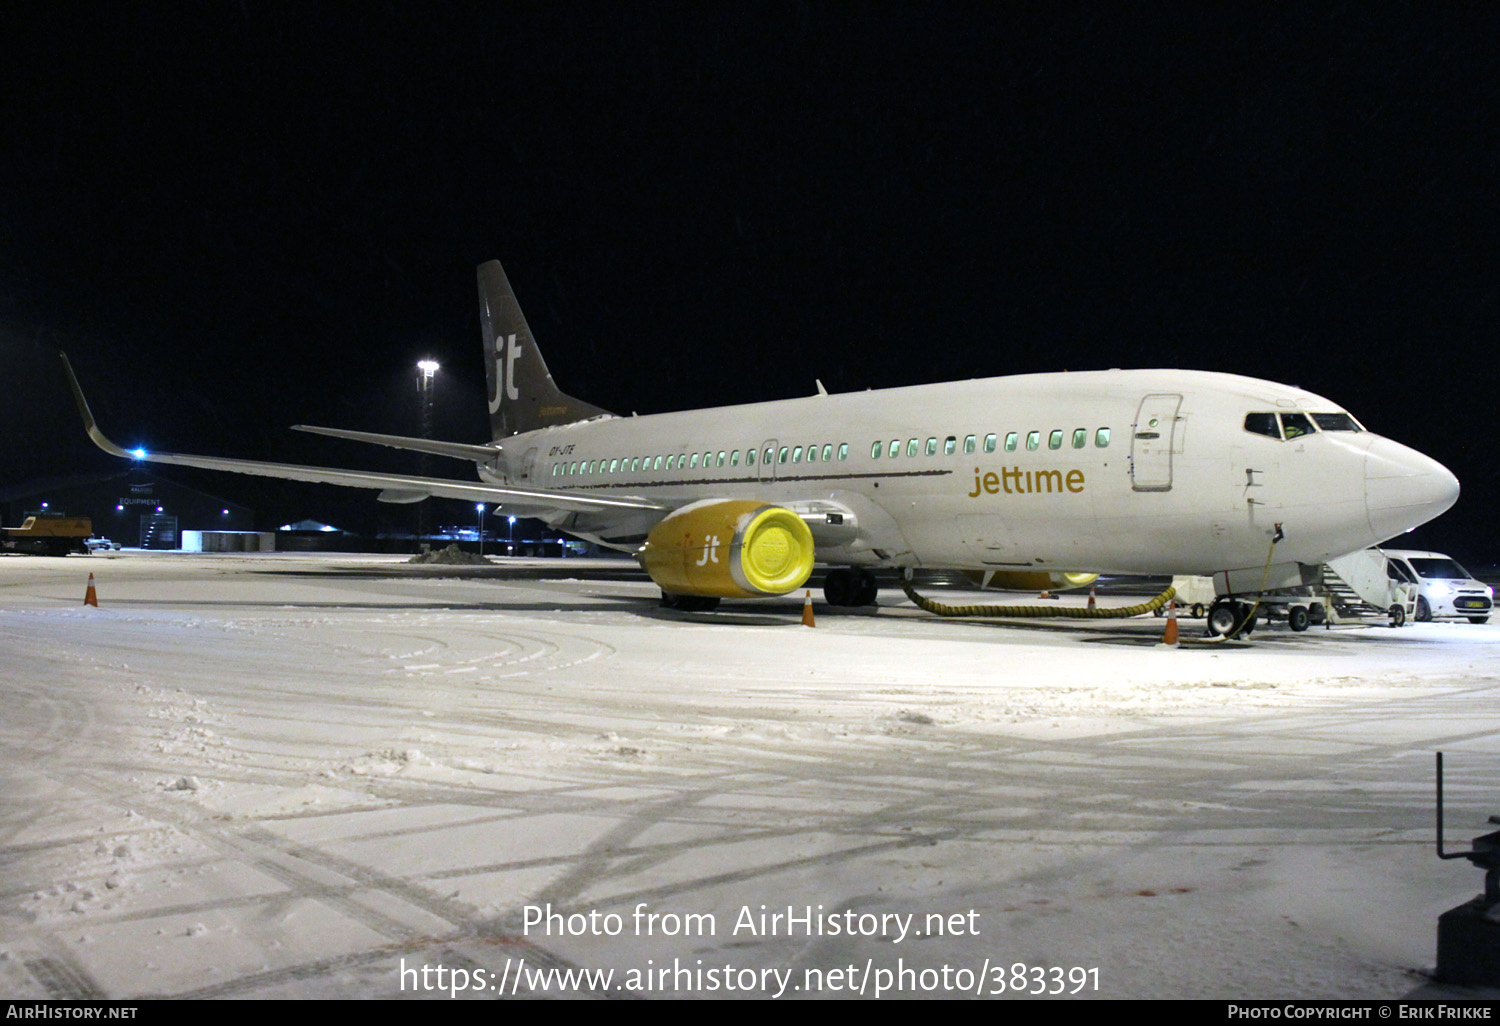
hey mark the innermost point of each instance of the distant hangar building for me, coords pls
(134, 507)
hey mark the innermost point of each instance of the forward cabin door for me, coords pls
(1152, 442)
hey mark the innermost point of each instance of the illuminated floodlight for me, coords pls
(119, 508)
(158, 509)
(428, 368)
(139, 454)
(478, 507)
(225, 512)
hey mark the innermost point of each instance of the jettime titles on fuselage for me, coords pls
(1015, 481)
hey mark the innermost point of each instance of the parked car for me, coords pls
(1446, 590)
(101, 545)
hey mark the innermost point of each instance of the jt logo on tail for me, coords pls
(506, 354)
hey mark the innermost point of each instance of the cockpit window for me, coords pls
(1336, 422)
(1262, 424)
(1295, 425)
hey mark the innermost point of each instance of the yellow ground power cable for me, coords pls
(1265, 576)
(1055, 612)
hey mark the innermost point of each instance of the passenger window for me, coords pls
(749, 457)
(1010, 441)
(875, 448)
(797, 454)
(932, 446)
(781, 456)
(895, 448)
(721, 460)
(765, 457)
(1101, 438)
(1080, 437)
(1295, 425)
(989, 443)
(911, 447)
(812, 454)
(1262, 424)
(1054, 440)
(614, 465)
(734, 457)
(1033, 440)
(694, 463)
(950, 445)
(968, 444)
(671, 462)
(827, 452)
(843, 450)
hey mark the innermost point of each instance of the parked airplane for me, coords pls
(1117, 471)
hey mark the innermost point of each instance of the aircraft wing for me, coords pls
(392, 487)
(457, 450)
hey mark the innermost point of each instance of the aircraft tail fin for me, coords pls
(522, 395)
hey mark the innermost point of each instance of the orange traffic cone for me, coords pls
(1093, 601)
(91, 597)
(807, 613)
(1046, 594)
(1169, 635)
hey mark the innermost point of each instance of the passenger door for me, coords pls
(1152, 442)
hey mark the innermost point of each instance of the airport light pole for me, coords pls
(426, 371)
(510, 533)
(479, 508)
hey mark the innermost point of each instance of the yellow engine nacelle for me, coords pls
(729, 548)
(1030, 580)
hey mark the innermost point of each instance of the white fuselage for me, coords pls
(1138, 471)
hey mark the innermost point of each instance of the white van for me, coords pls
(1447, 592)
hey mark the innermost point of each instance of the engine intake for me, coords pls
(729, 548)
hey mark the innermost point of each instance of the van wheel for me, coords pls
(1424, 611)
(1298, 618)
(1479, 619)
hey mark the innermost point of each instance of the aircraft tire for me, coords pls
(1222, 616)
(866, 590)
(1298, 618)
(839, 587)
(689, 603)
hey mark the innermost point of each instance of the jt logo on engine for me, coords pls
(710, 551)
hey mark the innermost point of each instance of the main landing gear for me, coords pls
(689, 603)
(850, 587)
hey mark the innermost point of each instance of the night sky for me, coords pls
(240, 216)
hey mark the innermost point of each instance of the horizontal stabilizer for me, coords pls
(457, 450)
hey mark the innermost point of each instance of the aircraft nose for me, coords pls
(1404, 489)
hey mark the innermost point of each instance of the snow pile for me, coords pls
(451, 556)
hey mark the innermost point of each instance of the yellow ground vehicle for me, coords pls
(47, 534)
